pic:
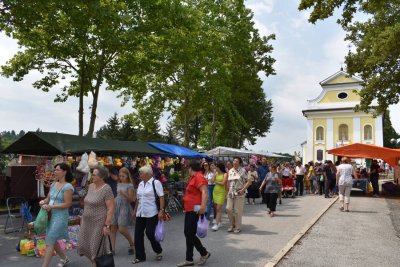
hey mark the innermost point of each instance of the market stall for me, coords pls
(227, 153)
(357, 150)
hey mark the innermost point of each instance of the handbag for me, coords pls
(106, 260)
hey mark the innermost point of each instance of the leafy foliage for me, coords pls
(389, 132)
(377, 56)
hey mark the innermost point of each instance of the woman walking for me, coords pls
(58, 201)
(252, 191)
(219, 193)
(210, 176)
(345, 181)
(148, 213)
(195, 200)
(123, 215)
(97, 215)
(237, 184)
(272, 185)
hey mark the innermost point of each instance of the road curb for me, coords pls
(278, 257)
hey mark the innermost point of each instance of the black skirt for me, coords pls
(253, 190)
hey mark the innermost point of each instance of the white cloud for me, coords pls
(261, 7)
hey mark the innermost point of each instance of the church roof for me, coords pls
(340, 77)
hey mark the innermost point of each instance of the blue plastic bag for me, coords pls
(202, 226)
(159, 234)
(26, 212)
(41, 221)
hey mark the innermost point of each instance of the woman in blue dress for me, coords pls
(58, 201)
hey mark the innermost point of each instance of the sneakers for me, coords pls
(230, 229)
(185, 263)
(63, 262)
(236, 231)
(216, 227)
(203, 259)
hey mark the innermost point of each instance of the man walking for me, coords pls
(300, 171)
(374, 177)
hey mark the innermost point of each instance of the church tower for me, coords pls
(332, 121)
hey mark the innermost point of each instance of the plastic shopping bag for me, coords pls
(40, 223)
(160, 231)
(370, 190)
(202, 226)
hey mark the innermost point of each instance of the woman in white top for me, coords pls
(345, 181)
(210, 176)
(148, 213)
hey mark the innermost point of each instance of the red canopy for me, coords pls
(357, 150)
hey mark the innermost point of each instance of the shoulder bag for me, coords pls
(106, 260)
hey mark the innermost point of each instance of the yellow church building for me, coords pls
(332, 121)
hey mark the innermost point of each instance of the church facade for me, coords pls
(332, 121)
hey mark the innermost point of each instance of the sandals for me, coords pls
(135, 261)
(341, 209)
(63, 262)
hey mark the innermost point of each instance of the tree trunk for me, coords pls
(81, 95)
(93, 112)
(95, 93)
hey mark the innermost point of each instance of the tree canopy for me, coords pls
(377, 56)
(200, 61)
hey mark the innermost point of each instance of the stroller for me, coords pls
(288, 188)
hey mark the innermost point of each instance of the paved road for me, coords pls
(261, 238)
(366, 236)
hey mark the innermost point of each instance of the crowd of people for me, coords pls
(210, 186)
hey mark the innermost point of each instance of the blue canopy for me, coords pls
(178, 151)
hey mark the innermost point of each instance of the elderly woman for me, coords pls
(58, 201)
(345, 181)
(123, 215)
(272, 186)
(237, 185)
(97, 215)
(195, 201)
(148, 213)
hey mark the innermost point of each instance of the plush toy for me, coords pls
(83, 164)
(92, 162)
(108, 161)
(100, 161)
(118, 162)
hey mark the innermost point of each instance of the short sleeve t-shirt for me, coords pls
(192, 195)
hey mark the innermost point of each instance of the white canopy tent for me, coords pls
(222, 151)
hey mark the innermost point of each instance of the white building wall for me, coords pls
(310, 141)
(378, 131)
(330, 144)
(356, 130)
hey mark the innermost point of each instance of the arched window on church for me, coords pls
(343, 132)
(367, 132)
(319, 133)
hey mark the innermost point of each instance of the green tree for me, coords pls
(2, 158)
(389, 132)
(377, 55)
(111, 130)
(82, 46)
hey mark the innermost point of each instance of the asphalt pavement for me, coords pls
(261, 238)
(368, 235)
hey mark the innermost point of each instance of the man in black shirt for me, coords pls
(374, 177)
(328, 177)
